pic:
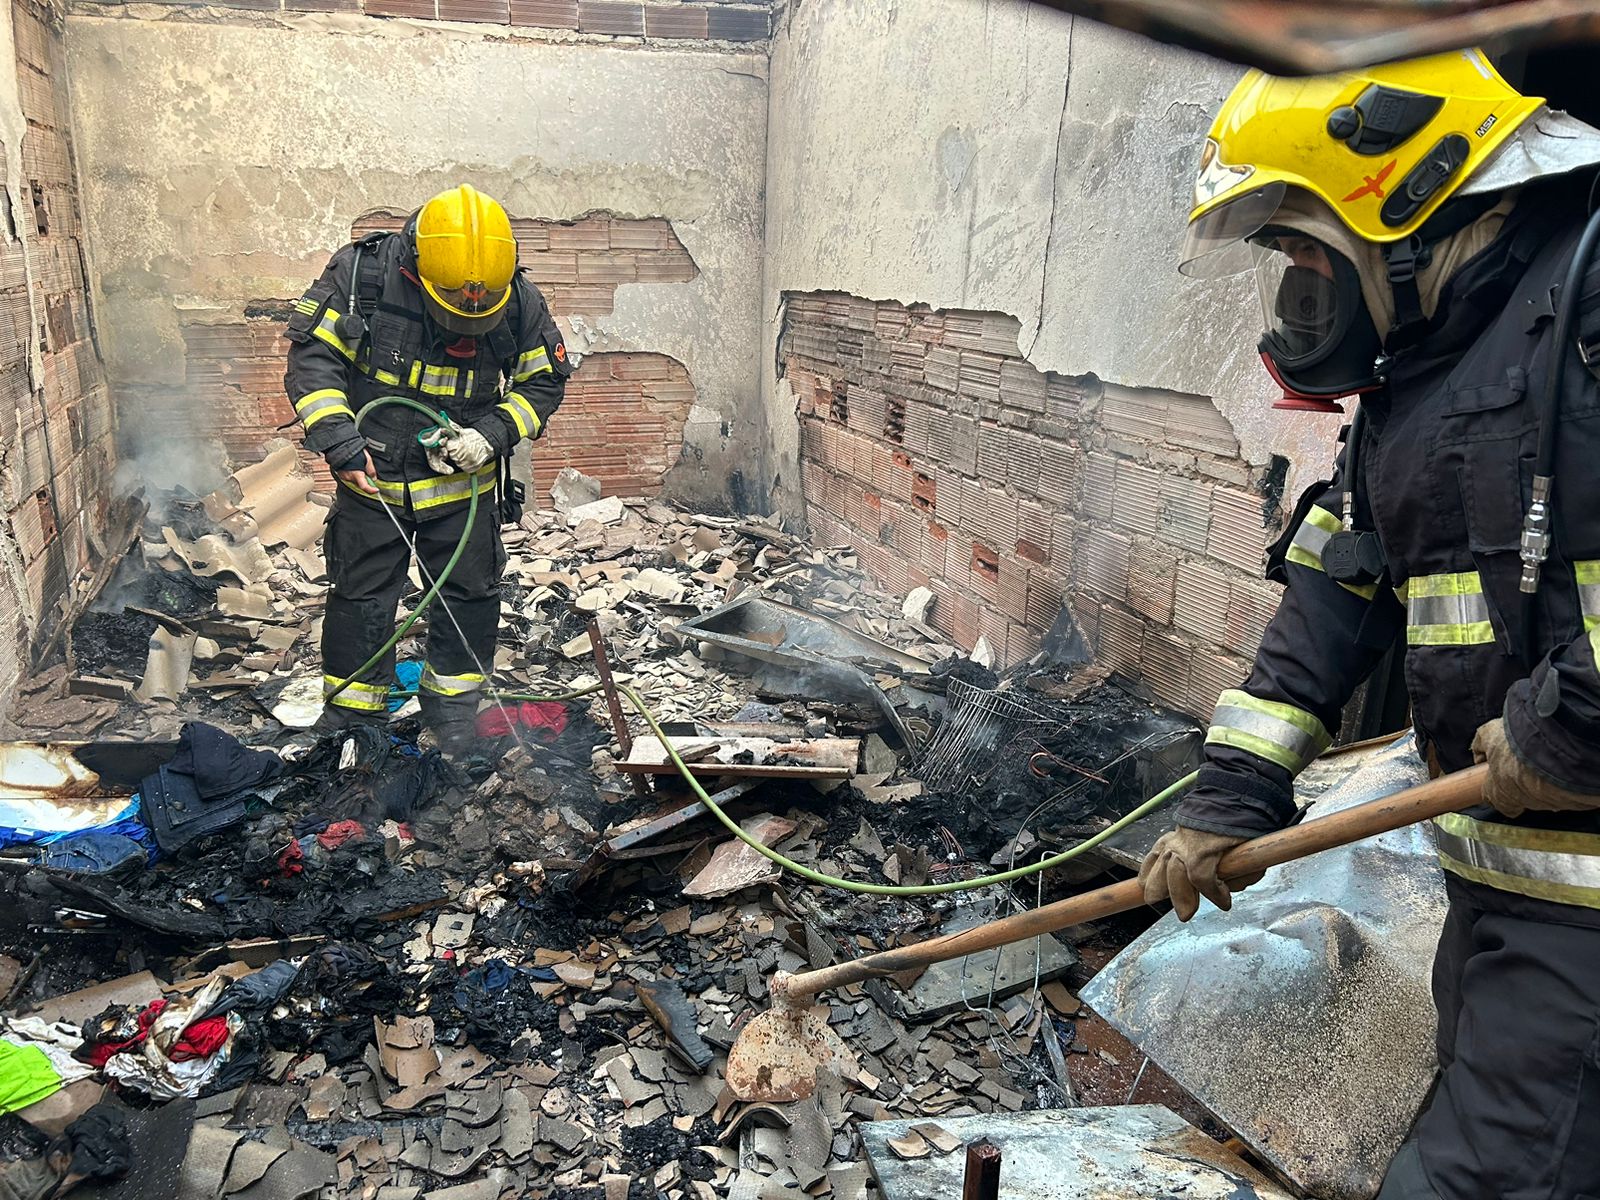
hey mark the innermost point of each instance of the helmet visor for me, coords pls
(1215, 246)
(472, 309)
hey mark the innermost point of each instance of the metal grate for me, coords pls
(979, 724)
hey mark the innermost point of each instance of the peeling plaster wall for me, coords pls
(225, 157)
(56, 422)
(16, 616)
(997, 156)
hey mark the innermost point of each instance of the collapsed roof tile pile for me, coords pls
(388, 976)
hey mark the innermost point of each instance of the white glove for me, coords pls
(453, 448)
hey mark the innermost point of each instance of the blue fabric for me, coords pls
(497, 973)
(125, 822)
(408, 678)
(92, 853)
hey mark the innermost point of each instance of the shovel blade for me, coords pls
(776, 1057)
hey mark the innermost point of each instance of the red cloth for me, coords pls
(98, 1054)
(202, 1039)
(339, 833)
(291, 860)
(546, 718)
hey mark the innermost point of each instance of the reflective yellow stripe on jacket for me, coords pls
(449, 489)
(433, 492)
(326, 331)
(439, 381)
(1277, 732)
(389, 491)
(530, 363)
(1306, 546)
(1588, 576)
(327, 402)
(1447, 610)
(365, 697)
(522, 414)
(1547, 864)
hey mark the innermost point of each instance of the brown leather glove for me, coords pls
(1182, 865)
(1513, 787)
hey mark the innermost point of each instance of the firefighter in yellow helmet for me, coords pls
(1422, 242)
(438, 312)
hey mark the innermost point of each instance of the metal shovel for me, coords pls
(776, 1056)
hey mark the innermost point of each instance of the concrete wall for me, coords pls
(1002, 157)
(974, 216)
(56, 423)
(227, 153)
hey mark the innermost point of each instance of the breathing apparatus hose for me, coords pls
(455, 556)
(705, 797)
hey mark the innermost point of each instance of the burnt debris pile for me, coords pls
(286, 960)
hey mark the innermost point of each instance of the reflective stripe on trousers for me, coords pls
(364, 697)
(451, 685)
(1447, 610)
(1269, 729)
(1547, 864)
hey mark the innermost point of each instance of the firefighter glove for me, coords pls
(452, 447)
(1182, 866)
(1513, 787)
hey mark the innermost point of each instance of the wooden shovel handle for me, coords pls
(1451, 793)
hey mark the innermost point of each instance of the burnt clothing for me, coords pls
(346, 351)
(368, 564)
(1443, 475)
(1518, 1100)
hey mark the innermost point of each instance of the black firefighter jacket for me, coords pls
(505, 384)
(1445, 470)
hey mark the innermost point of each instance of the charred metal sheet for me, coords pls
(795, 650)
(1303, 1018)
(791, 637)
(1311, 37)
(1072, 1154)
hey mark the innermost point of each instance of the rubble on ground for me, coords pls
(361, 970)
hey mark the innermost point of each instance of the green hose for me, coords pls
(788, 864)
(455, 556)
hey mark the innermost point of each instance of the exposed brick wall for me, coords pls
(950, 462)
(641, 21)
(56, 445)
(624, 413)
(621, 421)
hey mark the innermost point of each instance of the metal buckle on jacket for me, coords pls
(1589, 352)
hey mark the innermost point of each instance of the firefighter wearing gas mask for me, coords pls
(441, 313)
(1421, 239)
